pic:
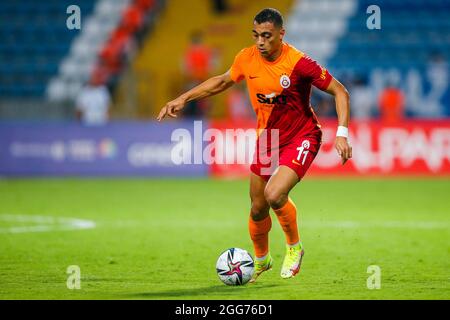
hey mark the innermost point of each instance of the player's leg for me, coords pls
(259, 224)
(277, 195)
(295, 159)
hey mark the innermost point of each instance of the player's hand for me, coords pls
(343, 149)
(171, 108)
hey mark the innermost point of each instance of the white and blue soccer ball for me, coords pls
(235, 267)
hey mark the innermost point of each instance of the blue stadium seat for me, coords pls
(34, 40)
(412, 30)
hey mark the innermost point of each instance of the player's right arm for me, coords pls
(210, 87)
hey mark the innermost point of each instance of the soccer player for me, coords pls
(279, 78)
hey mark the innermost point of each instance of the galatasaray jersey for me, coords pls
(280, 90)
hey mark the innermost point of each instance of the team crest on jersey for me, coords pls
(305, 144)
(285, 82)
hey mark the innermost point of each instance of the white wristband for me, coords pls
(342, 132)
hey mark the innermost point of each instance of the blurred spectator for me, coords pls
(219, 6)
(133, 18)
(392, 103)
(437, 72)
(145, 5)
(93, 103)
(197, 63)
(198, 59)
(238, 103)
(361, 99)
(115, 54)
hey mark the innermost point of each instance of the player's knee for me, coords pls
(275, 198)
(259, 210)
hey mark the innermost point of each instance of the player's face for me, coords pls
(268, 38)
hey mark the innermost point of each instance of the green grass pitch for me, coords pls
(160, 238)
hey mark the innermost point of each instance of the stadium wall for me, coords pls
(413, 147)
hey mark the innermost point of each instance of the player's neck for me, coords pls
(274, 56)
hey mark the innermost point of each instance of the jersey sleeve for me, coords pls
(237, 68)
(314, 72)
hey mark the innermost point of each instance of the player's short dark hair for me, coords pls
(270, 15)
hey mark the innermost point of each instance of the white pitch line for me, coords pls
(313, 224)
(44, 223)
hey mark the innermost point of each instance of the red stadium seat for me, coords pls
(133, 18)
(145, 5)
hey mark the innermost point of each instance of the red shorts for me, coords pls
(297, 155)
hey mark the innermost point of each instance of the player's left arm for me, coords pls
(342, 99)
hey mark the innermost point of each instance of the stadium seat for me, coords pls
(34, 40)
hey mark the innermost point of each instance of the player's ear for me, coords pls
(282, 33)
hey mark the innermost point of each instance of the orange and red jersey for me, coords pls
(280, 90)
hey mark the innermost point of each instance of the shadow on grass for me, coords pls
(206, 292)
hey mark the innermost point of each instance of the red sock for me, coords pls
(287, 216)
(259, 233)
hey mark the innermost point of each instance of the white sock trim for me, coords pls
(262, 258)
(294, 245)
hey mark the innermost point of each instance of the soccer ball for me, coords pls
(235, 267)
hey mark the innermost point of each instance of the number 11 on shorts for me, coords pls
(302, 152)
